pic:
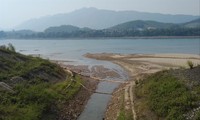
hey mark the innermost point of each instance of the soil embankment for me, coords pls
(107, 79)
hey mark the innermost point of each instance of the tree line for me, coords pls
(177, 31)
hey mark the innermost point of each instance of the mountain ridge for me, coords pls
(193, 23)
(138, 28)
(140, 25)
(99, 19)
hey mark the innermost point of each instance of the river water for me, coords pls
(74, 49)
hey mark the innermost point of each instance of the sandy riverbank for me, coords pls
(139, 65)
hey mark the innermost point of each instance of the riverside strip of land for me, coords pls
(123, 102)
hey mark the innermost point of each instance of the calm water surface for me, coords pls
(72, 50)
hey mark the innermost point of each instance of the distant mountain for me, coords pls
(138, 28)
(99, 19)
(192, 24)
(141, 25)
(62, 28)
(17, 34)
(25, 32)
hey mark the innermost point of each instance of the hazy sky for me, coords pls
(14, 12)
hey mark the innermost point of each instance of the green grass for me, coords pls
(190, 64)
(167, 96)
(14, 64)
(41, 94)
(31, 102)
(197, 117)
(124, 114)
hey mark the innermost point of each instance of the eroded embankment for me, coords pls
(108, 79)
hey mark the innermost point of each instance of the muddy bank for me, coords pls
(99, 85)
(100, 98)
(73, 108)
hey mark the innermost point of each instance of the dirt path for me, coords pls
(128, 98)
(131, 99)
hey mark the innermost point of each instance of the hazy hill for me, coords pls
(127, 26)
(99, 19)
(141, 25)
(62, 28)
(193, 24)
(127, 29)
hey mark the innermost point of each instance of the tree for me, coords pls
(11, 47)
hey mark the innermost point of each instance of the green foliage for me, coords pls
(10, 47)
(31, 102)
(39, 93)
(17, 112)
(68, 91)
(197, 117)
(124, 114)
(3, 47)
(190, 64)
(27, 67)
(128, 29)
(121, 116)
(167, 96)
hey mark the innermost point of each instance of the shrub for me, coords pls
(11, 47)
(190, 64)
(197, 117)
(3, 47)
(167, 96)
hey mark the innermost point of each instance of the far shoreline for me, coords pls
(104, 38)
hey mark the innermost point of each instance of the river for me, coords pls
(72, 50)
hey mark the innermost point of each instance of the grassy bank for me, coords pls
(30, 68)
(36, 101)
(168, 95)
(124, 114)
(32, 88)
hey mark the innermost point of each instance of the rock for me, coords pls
(16, 79)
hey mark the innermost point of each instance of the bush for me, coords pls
(190, 64)
(9, 47)
(167, 96)
(197, 117)
(3, 47)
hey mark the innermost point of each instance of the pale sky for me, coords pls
(14, 12)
